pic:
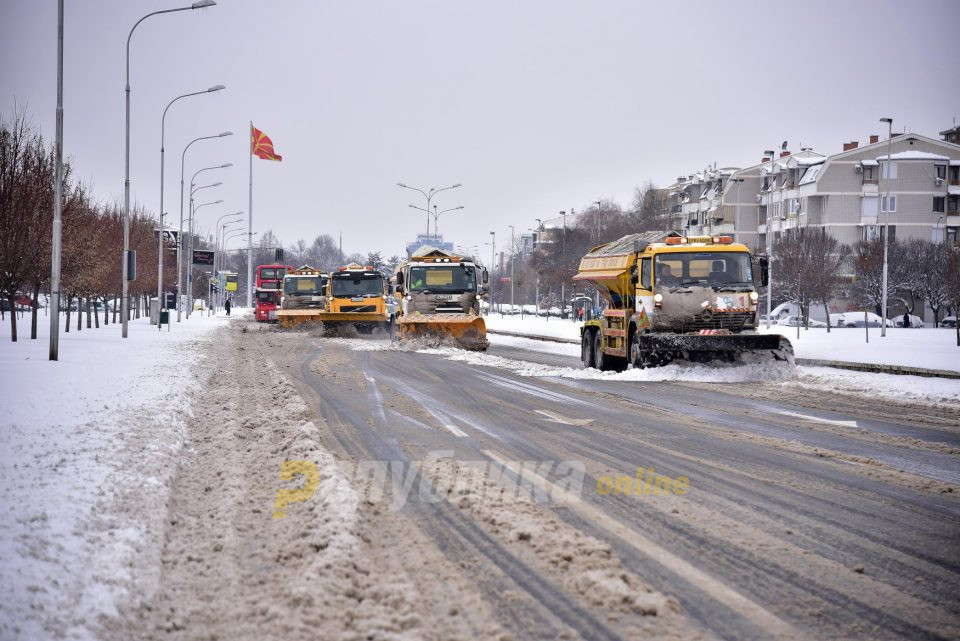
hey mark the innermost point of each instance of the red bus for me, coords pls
(271, 276)
(268, 302)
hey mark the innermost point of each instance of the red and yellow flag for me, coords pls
(261, 146)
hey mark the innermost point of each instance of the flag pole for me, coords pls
(250, 225)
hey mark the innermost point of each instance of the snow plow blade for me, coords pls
(469, 331)
(295, 317)
(705, 347)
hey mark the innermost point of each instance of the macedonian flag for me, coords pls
(261, 146)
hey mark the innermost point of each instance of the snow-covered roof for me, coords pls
(955, 163)
(913, 155)
(953, 190)
(869, 163)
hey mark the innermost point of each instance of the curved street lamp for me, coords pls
(124, 299)
(428, 195)
(183, 160)
(163, 128)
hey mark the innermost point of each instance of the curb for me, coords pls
(901, 370)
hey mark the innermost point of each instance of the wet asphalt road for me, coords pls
(798, 523)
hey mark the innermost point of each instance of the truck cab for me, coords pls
(357, 289)
(440, 283)
(305, 288)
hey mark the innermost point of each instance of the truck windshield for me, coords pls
(304, 285)
(712, 269)
(349, 285)
(448, 279)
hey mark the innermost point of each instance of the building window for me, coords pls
(889, 169)
(937, 235)
(892, 201)
(939, 204)
(952, 233)
(941, 171)
(875, 232)
(953, 204)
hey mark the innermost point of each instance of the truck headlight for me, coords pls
(754, 296)
(658, 298)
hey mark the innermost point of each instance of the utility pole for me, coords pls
(769, 237)
(513, 259)
(57, 201)
(736, 224)
(886, 228)
(493, 254)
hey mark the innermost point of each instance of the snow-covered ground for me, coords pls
(914, 347)
(79, 440)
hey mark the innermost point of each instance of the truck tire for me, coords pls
(587, 355)
(599, 358)
(637, 356)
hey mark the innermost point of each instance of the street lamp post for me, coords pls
(769, 237)
(886, 229)
(124, 300)
(596, 293)
(183, 160)
(220, 228)
(493, 254)
(513, 259)
(736, 221)
(57, 201)
(161, 248)
(428, 195)
(193, 211)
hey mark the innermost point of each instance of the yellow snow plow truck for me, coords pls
(673, 297)
(439, 297)
(356, 297)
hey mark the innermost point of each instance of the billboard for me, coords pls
(202, 257)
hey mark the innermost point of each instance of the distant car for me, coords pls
(949, 321)
(793, 321)
(855, 319)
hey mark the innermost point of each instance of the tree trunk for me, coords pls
(33, 311)
(96, 314)
(79, 313)
(106, 311)
(66, 327)
(826, 308)
(89, 312)
(13, 318)
(114, 310)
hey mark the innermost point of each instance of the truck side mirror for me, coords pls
(764, 265)
(486, 277)
(399, 279)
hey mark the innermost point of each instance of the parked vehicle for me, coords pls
(949, 321)
(855, 319)
(793, 321)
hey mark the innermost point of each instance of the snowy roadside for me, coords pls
(88, 446)
(915, 347)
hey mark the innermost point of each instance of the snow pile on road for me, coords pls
(80, 441)
(537, 325)
(679, 371)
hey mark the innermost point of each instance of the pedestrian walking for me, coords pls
(226, 306)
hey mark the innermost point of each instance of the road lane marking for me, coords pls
(564, 420)
(726, 595)
(817, 419)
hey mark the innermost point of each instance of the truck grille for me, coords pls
(358, 308)
(733, 321)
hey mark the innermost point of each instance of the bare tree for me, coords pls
(927, 277)
(868, 271)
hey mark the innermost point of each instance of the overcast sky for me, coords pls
(534, 106)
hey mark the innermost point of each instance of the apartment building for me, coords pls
(852, 194)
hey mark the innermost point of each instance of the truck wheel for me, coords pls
(599, 358)
(638, 356)
(587, 354)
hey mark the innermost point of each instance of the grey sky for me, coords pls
(534, 106)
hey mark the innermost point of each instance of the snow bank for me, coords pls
(80, 439)
(540, 326)
(681, 371)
